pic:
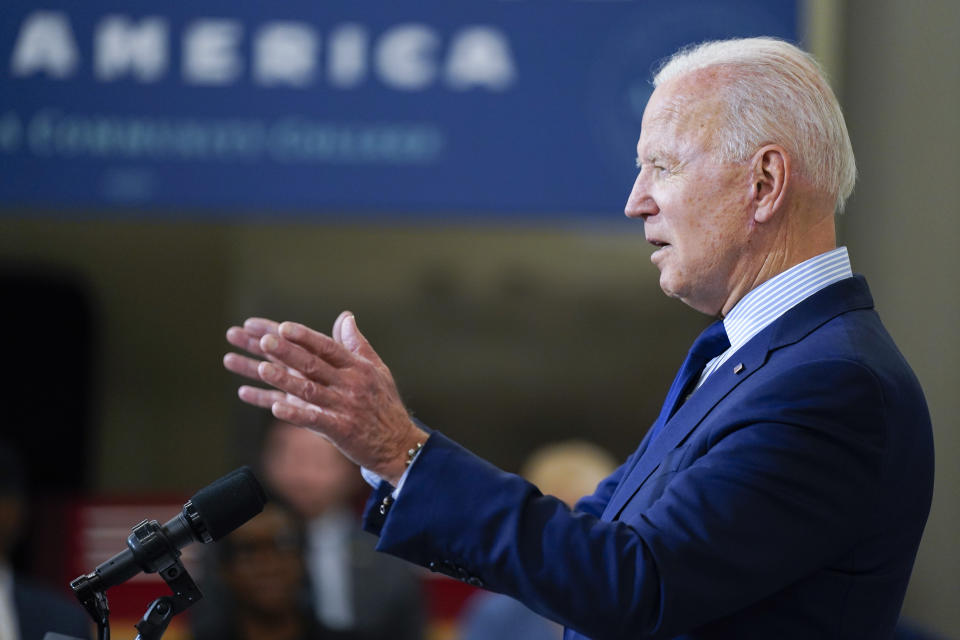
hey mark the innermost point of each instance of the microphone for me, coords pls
(210, 514)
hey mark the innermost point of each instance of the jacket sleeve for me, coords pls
(595, 503)
(774, 494)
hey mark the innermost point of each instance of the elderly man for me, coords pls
(783, 489)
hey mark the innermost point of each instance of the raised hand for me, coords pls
(337, 386)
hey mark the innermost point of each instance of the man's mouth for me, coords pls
(659, 243)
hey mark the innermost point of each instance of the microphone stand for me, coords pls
(95, 602)
(165, 560)
(161, 611)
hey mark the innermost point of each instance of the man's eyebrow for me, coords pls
(656, 156)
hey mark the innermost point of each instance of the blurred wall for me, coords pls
(902, 100)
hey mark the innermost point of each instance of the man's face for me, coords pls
(696, 210)
(307, 471)
(264, 569)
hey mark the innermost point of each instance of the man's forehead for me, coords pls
(669, 107)
(684, 108)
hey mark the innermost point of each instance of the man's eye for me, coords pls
(657, 167)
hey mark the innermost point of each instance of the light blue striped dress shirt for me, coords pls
(776, 296)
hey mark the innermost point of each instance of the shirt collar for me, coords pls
(767, 302)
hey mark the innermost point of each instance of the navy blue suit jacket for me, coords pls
(785, 499)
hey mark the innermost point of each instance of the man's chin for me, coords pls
(674, 290)
(668, 286)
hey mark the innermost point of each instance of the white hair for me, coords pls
(776, 93)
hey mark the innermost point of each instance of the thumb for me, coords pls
(338, 325)
(353, 340)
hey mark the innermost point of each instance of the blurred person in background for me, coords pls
(567, 470)
(353, 587)
(264, 594)
(27, 609)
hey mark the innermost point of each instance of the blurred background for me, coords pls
(453, 173)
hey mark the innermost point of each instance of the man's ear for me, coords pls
(771, 174)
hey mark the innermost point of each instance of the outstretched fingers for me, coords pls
(248, 336)
(322, 346)
(270, 398)
(244, 340)
(307, 390)
(319, 419)
(248, 339)
(290, 408)
(260, 326)
(263, 398)
(241, 365)
(297, 360)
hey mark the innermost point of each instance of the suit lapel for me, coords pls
(793, 326)
(752, 356)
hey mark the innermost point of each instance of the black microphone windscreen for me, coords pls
(227, 503)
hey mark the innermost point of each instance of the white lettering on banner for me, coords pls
(51, 133)
(210, 52)
(120, 46)
(45, 45)
(406, 57)
(347, 56)
(285, 53)
(480, 56)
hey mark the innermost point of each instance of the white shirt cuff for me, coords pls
(374, 480)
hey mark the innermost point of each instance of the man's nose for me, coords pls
(640, 203)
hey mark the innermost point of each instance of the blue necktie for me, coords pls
(708, 345)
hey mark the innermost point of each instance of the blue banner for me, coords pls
(522, 108)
